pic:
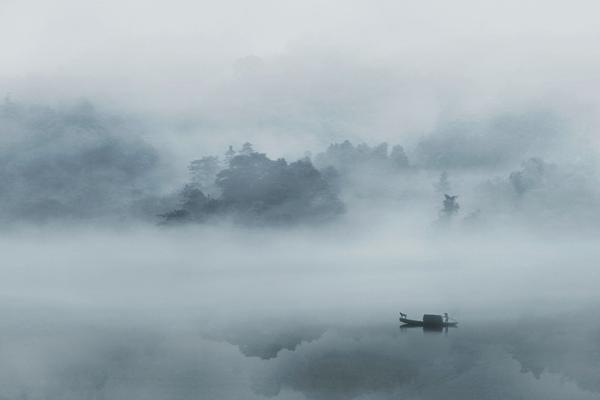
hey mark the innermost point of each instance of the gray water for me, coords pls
(62, 354)
(254, 315)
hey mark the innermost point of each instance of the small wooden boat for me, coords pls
(429, 321)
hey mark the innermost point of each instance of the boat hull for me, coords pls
(412, 322)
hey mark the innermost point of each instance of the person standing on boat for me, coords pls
(446, 317)
(402, 315)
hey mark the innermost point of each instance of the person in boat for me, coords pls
(446, 317)
(402, 315)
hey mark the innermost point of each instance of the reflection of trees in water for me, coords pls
(346, 364)
(265, 339)
(570, 348)
(349, 364)
(135, 361)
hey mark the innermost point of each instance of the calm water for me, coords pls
(63, 354)
(198, 317)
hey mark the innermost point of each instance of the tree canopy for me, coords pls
(256, 188)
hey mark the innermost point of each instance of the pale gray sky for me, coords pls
(308, 65)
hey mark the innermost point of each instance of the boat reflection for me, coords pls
(426, 329)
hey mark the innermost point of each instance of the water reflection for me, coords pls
(426, 329)
(71, 357)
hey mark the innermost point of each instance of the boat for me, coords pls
(429, 321)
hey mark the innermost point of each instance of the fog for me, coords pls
(236, 201)
(225, 313)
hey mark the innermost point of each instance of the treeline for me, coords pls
(77, 164)
(250, 187)
(347, 157)
(253, 188)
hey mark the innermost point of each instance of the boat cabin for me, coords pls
(432, 320)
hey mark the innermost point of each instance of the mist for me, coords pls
(298, 313)
(236, 201)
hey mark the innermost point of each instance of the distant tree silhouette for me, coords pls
(398, 157)
(71, 162)
(345, 157)
(229, 154)
(203, 172)
(256, 188)
(531, 176)
(195, 206)
(247, 149)
(450, 207)
(380, 152)
(443, 184)
(256, 184)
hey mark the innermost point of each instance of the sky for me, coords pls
(430, 58)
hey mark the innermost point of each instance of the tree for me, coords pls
(443, 184)
(450, 207)
(203, 172)
(531, 176)
(247, 149)
(255, 188)
(229, 154)
(398, 157)
(195, 207)
(347, 158)
(380, 152)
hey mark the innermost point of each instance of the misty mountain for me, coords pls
(489, 142)
(70, 163)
